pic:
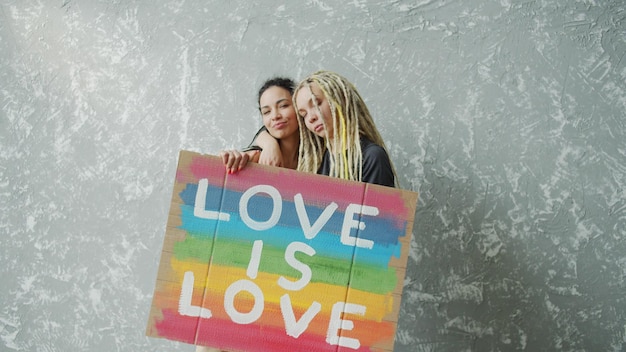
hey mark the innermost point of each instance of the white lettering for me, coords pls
(199, 210)
(229, 302)
(276, 209)
(290, 258)
(184, 303)
(292, 327)
(255, 259)
(349, 223)
(336, 323)
(311, 231)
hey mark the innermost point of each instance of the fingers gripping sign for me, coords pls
(235, 160)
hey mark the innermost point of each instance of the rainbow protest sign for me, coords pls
(271, 259)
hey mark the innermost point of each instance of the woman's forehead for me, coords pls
(309, 90)
(274, 93)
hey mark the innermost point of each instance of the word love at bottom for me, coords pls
(293, 327)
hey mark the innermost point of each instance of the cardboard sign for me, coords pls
(271, 259)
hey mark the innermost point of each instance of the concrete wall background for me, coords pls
(507, 116)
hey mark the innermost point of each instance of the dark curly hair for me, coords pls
(282, 82)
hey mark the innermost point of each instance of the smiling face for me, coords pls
(317, 119)
(279, 116)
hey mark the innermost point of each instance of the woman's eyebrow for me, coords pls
(277, 102)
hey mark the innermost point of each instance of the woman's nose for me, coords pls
(311, 116)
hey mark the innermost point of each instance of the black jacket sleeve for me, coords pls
(252, 145)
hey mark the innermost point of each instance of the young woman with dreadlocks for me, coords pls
(338, 136)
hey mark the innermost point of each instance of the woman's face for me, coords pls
(321, 125)
(279, 117)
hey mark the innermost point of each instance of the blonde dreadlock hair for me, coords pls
(351, 119)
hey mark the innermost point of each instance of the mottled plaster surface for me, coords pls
(508, 117)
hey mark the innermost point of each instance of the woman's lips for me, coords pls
(318, 128)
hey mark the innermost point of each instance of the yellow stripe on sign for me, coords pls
(221, 277)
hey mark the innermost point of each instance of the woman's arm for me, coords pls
(271, 153)
(264, 149)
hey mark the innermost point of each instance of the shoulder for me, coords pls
(324, 168)
(376, 164)
(372, 152)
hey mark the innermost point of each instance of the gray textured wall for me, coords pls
(507, 116)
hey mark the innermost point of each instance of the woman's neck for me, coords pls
(332, 146)
(289, 150)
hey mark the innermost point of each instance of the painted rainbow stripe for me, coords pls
(248, 270)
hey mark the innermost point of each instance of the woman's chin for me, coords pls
(320, 133)
(275, 133)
